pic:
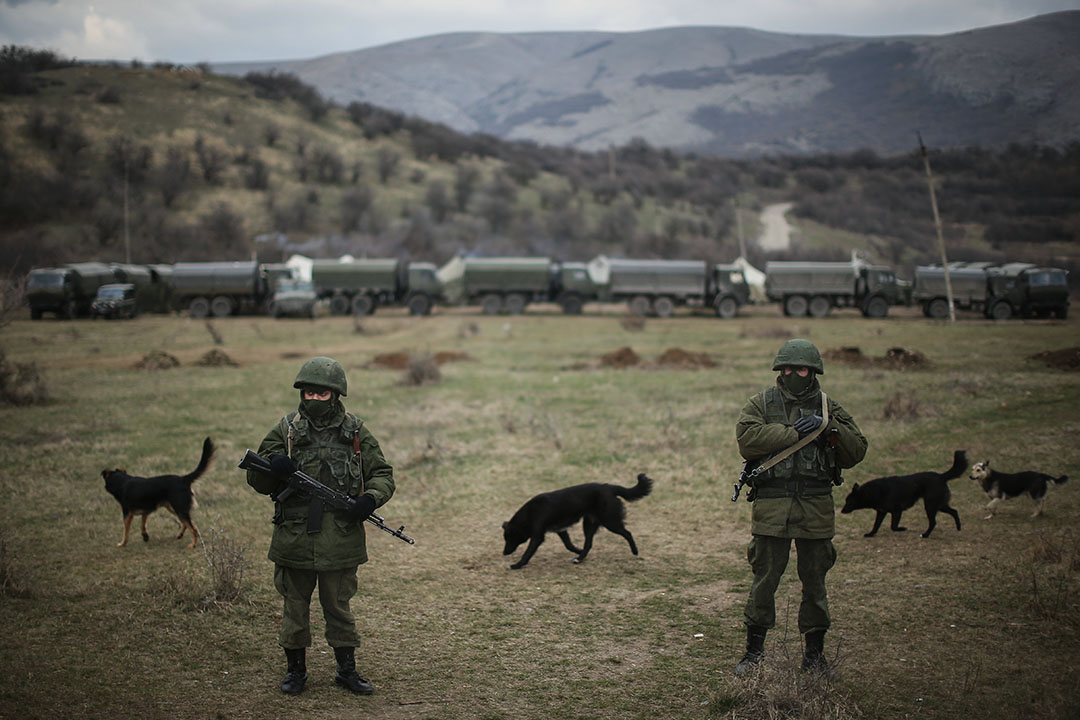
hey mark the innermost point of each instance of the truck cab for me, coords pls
(115, 300)
(730, 290)
(1027, 290)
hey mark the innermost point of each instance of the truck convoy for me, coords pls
(510, 284)
(815, 288)
(998, 291)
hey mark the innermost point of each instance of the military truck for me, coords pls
(728, 290)
(152, 290)
(815, 288)
(967, 280)
(502, 285)
(115, 300)
(653, 287)
(66, 290)
(361, 286)
(218, 288)
(1026, 290)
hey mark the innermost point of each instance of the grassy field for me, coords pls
(979, 622)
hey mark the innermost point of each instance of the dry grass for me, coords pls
(921, 627)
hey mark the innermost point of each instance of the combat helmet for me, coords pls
(322, 372)
(799, 353)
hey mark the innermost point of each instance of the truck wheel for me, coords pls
(491, 304)
(515, 304)
(795, 305)
(937, 309)
(1061, 312)
(571, 304)
(640, 305)
(339, 305)
(419, 304)
(275, 310)
(876, 307)
(35, 314)
(727, 307)
(663, 307)
(199, 307)
(1001, 310)
(363, 305)
(221, 306)
(819, 306)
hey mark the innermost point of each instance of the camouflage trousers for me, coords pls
(336, 589)
(768, 558)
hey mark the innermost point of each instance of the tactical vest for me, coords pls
(331, 456)
(811, 470)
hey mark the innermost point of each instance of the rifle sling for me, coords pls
(803, 442)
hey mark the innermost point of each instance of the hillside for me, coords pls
(725, 91)
(163, 164)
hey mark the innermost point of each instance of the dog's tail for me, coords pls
(1061, 480)
(643, 488)
(959, 465)
(204, 462)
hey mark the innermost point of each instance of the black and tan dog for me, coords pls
(144, 495)
(1000, 486)
(895, 494)
(595, 503)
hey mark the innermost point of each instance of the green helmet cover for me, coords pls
(322, 372)
(798, 353)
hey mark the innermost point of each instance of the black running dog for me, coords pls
(596, 503)
(894, 494)
(1000, 486)
(144, 495)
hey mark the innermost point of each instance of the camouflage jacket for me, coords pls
(794, 497)
(327, 454)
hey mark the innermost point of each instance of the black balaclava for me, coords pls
(795, 384)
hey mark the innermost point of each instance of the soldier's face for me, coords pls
(316, 394)
(800, 371)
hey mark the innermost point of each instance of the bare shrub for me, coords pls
(228, 561)
(903, 405)
(422, 370)
(21, 383)
(1054, 577)
(11, 584)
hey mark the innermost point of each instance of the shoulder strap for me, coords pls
(784, 454)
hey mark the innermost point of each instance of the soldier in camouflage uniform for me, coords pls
(793, 499)
(311, 546)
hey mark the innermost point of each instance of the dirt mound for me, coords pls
(216, 358)
(393, 361)
(900, 358)
(1066, 359)
(677, 357)
(446, 356)
(623, 357)
(896, 358)
(847, 356)
(157, 360)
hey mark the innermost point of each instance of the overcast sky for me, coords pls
(190, 31)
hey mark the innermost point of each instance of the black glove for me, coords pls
(282, 465)
(362, 506)
(808, 424)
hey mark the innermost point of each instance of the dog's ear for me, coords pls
(505, 524)
(854, 487)
(986, 464)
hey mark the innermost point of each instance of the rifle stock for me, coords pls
(300, 481)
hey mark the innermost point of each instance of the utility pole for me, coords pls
(738, 228)
(937, 225)
(127, 238)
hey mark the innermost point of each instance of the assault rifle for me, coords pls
(301, 482)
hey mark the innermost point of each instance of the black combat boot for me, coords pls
(755, 650)
(296, 675)
(813, 659)
(346, 672)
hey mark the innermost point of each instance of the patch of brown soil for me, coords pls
(393, 361)
(677, 357)
(847, 356)
(157, 360)
(623, 357)
(446, 356)
(899, 358)
(1065, 359)
(216, 358)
